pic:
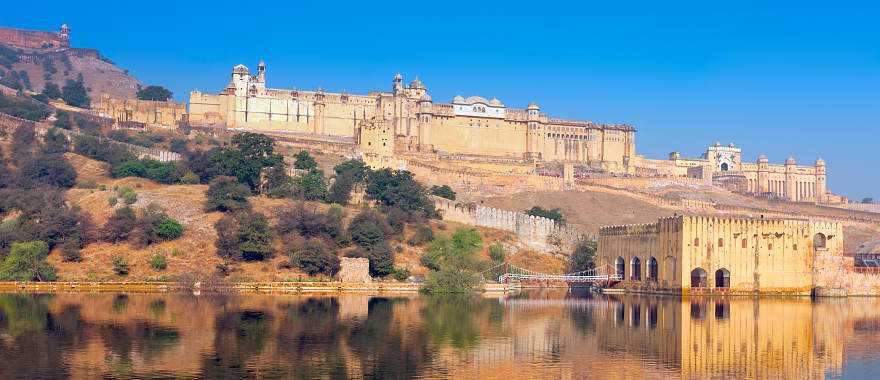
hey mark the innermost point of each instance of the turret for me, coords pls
(397, 83)
(261, 72)
(417, 87)
(763, 168)
(425, 117)
(533, 113)
(791, 189)
(821, 195)
(65, 35)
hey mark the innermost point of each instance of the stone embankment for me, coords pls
(243, 287)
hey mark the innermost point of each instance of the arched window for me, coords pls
(620, 267)
(745, 243)
(635, 315)
(820, 241)
(724, 167)
(698, 278)
(698, 310)
(653, 274)
(636, 269)
(722, 310)
(722, 278)
(696, 242)
(720, 242)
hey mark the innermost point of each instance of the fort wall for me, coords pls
(34, 39)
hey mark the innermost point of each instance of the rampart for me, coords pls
(540, 233)
(32, 39)
(9, 123)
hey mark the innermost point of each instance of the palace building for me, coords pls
(693, 254)
(406, 119)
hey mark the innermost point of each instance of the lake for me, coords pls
(543, 334)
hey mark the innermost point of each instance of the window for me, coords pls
(820, 241)
(745, 243)
(770, 246)
(636, 274)
(698, 278)
(697, 242)
(720, 242)
(722, 278)
(652, 269)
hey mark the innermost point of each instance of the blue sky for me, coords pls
(786, 79)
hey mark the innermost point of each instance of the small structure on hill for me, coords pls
(354, 270)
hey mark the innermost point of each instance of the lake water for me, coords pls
(549, 335)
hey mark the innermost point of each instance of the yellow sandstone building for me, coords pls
(406, 119)
(697, 255)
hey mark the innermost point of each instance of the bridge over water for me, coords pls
(507, 273)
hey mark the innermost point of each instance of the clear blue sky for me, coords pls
(782, 78)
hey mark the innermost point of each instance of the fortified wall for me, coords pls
(35, 39)
(539, 233)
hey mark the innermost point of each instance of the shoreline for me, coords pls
(244, 287)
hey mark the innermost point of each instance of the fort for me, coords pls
(36, 39)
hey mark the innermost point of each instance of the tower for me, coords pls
(397, 83)
(64, 34)
(533, 115)
(821, 188)
(791, 190)
(261, 72)
(763, 169)
(425, 118)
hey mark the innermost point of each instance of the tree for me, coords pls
(157, 93)
(225, 194)
(177, 145)
(310, 186)
(398, 188)
(27, 262)
(304, 161)
(309, 222)
(554, 214)
(443, 191)
(74, 93)
(381, 259)
(278, 184)
(454, 262)
(349, 174)
(48, 170)
(244, 235)
(5, 175)
(155, 226)
(23, 107)
(368, 229)
(120, 225)
(313, 257)
(496, 253)
(256, 147)
(51, 90)
(55, 142)
(582, 257)
(24, 143)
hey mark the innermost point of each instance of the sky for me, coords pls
(779, 78)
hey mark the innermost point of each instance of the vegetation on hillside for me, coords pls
(554, 214)
(454, 266)
(154, 93)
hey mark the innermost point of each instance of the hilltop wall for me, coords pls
(32, 39)
(540, 233)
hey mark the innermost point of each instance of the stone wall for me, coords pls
(354, 270)
(32, 39)
(539, 233)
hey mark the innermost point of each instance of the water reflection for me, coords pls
(543, 334)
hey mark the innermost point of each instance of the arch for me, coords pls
(720, 242)
(620, 268)
(696, 242)
(722, 278)
(745, 243)
(653, 269)
(725, 167)
(698, 278)
(820, 241)
(636, 269)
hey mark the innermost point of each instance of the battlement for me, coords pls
(35, 39)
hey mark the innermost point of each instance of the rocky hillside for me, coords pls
(60, 64)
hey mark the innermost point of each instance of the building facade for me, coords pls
(472, 126)
(146, 112)
(691, 254)
(724, 166)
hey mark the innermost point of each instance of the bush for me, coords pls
(75, 94)
(243, 236)
(369, 229)
(63, 120)
(157, 93)
(128, 195)
(190, 178)
(225, 194)
(398, 189)
(24, 108)
(401, 274)
(70, 250)
(55, 142)
(554, 214)
(120, 266)
(278, 184)
(313, 257)
(120, 225)
(162, 172)
(443, 191)
(582, 257)
(177, 145)
(423, 234)
(158, 262)
(496, 253)
(166, 228)
(95, 148)
(381, 259)
(304, 161)
(310, 186)
(48, 170)
(27, 262)
(309, 222)
(112, 200)
(454, 261)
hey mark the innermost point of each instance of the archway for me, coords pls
(698, 278)
(725, 167)
(653, 274)
(620, 267)
(636, 274)
(722, 278)
(819, 241)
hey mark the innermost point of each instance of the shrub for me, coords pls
(166, 228)
(225, 194)
(112, 200)
(422, 235)
(120, 266)
(244, 235)
(162, 172)
(190, 178)
(128, 195)
(120, 225)
(401, 274)
(154, 93)
(398, 189)
(368, 229)
(63, 120)
(310, 186)
(453, 262)
(177, 145)
(582, 257)
(381, 259)
(48, 170)
(443, 191)
(24, 108)
(27, 262)
(158, 262)
(55, 142)
(75, 94)
(309, 222)
(496, 253)
(313, 257)
(70, 250)
(304, 161)
(278, 184)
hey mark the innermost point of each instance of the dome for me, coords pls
(262, 64)
(533, 106)
(417, 84)
(731, 145)
(790, 161)
(717, 143)
(458, 99)
(820, 162)
(425, 98)
(495, 103)
(240, 69)
(762, 158)
(398, 77)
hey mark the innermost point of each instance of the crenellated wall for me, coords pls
(540, 233)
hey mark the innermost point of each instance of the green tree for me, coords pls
(582, 257)
(454, 262)
(310, 186)
(278, 184)
(349, 174)
(443, 191)
(27, 262)
(313, 257)
(48, 170)
(304, 161)
(74, 93)
(368, 229)
(51, 90)
(496, 253)
(55, 142)
(225, 194)
(554, 214)
(158, 93)
(23, 107)
(244, 235)
(398, 189)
